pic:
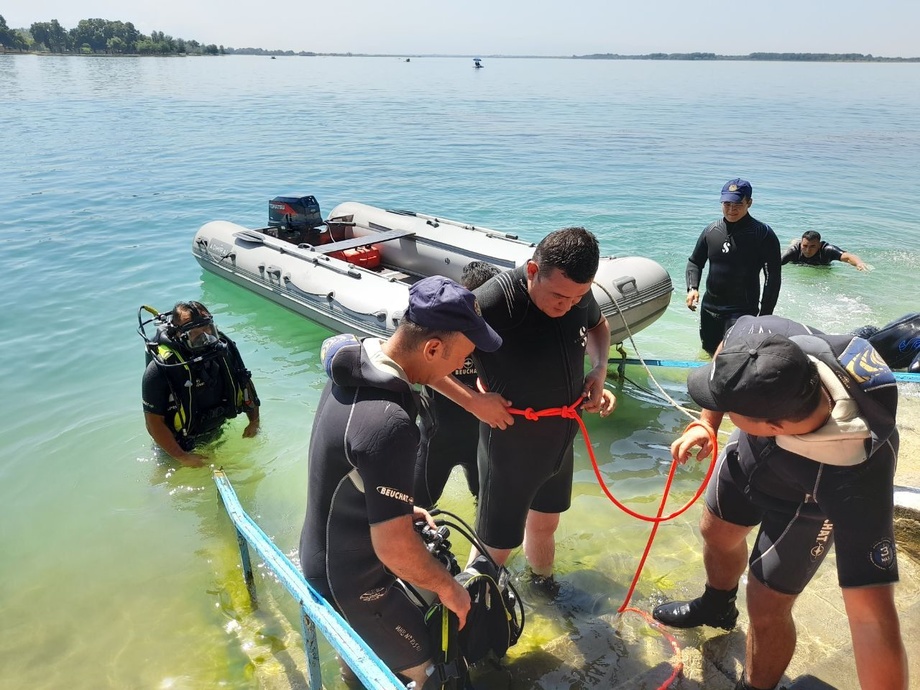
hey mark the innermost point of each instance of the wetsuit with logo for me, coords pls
(830, 487)
(361, 464)
(453, 441)
(899, 342)
(823, 257)
(197, 398)
(737, 253)
(541, 364)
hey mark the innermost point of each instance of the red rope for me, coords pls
(571, 412)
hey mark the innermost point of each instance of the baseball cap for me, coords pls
(441, 304)
(736, 190)
(761, 375)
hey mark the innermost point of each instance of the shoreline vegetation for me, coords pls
(103, 37)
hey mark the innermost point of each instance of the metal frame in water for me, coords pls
(315, 611)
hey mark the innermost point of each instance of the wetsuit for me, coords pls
(453, 441)
(196, 398)
(361, 464)
(540, 364)
(899, 342)
(823, 257)
(831, 486)
(737, 253)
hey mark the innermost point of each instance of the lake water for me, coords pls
(120, 571)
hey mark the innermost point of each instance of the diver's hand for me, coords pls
(420, 514)
(596, 397)
(693, 299)
(457, 599)
(694, 436)
(492, 409)
(251, 429)
(607, 405)
(192, 459)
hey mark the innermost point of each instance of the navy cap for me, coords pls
(760, 375)
(441, 304)
(736, 190)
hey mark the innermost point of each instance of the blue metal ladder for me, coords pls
(315, 611)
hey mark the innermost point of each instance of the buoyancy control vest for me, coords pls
(233, 393)
(867, 380)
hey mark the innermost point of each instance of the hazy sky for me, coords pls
(511, 27)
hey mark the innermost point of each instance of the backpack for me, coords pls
(494, 622)
(496, 617)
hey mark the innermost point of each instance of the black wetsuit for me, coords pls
(453, 441)
(804, 505)
(361, 463)
(540, 364)
(737, 253)
(899, 342)
(823, 257)
(196, 399)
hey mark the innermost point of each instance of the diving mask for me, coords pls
(198, 334)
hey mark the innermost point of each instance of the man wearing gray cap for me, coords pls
(812, 463)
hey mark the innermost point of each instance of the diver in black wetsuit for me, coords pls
(358, 534)
(811, 250)
(738, 248)
(453, 440)
(811, 462)
(194, 382)
(549, 322)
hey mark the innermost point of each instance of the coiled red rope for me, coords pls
(571, 412)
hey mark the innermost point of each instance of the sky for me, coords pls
(888, 28)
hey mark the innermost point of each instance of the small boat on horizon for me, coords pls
(352, 272)
(477, 63)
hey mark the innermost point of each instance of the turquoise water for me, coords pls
(120, 571)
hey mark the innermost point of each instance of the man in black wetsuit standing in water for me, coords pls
(549, 322)
(738, 247)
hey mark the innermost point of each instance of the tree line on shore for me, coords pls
(102, 36)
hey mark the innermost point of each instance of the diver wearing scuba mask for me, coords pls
(194, 382)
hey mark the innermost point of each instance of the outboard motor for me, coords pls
(293, 213)
(297, 219)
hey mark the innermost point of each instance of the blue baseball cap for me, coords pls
(737, 190)
(441, 304)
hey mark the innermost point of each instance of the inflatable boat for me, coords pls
(351, 272)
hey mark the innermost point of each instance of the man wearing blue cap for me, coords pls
(738, 248)
(811, 462)
(358, 535)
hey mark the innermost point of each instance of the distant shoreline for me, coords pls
(677, 57)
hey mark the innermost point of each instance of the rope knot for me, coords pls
(530, 414)
(568, 411)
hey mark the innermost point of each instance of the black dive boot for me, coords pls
(744, 685)
(716, 608)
